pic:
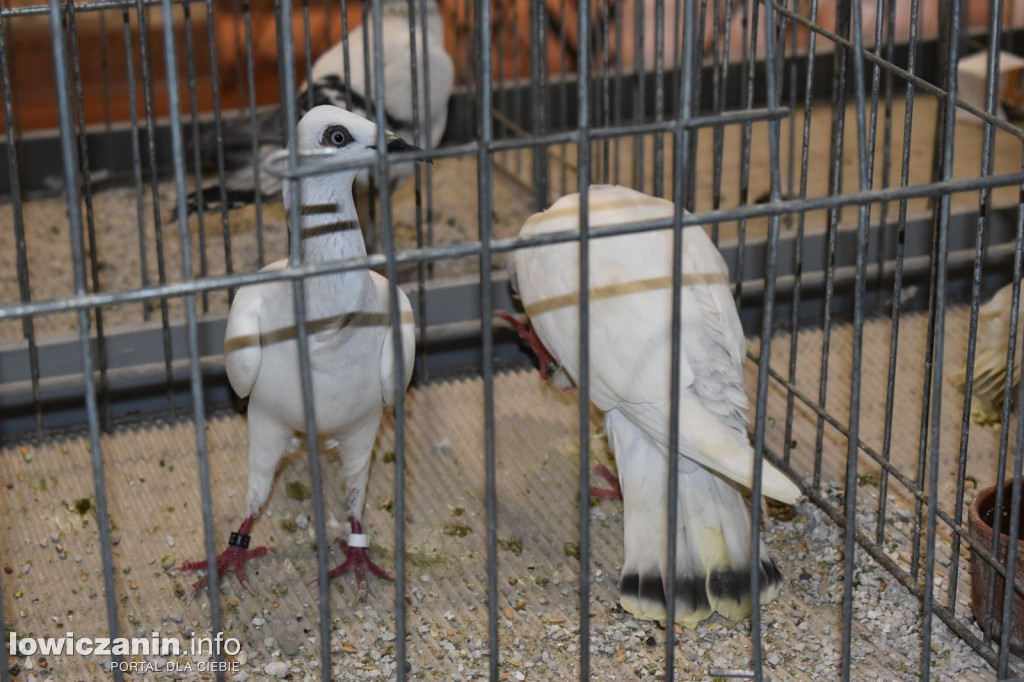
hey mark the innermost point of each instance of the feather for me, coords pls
(630, 345)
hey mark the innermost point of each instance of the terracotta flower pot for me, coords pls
(981, 519)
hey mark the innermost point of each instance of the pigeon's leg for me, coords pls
(267, 442)
(356, 448)
(231, 560)
(548, 366)
(356, 559)
(615, 493)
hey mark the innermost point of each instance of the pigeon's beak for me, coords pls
(397, 144)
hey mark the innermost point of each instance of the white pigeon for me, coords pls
(990, 357)
(350, 342)
(329, 87)
(630, 346)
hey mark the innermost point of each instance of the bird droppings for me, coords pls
(511, 544)
(388, 457)
(297, 490)
(83, 506)
(456, 529)
(571, 549)
(288, 525)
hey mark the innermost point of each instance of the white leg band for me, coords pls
(358, 540)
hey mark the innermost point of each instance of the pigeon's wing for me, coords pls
(387, 357)
(242, 349)
(243, 337)
(630, 327)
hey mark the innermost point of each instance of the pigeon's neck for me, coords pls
(330, 224)
(330, 232)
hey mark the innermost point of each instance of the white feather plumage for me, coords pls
(630, 345)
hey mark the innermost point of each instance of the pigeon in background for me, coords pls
(328, 86)
(990, 358)
(350, 343)
(630, 346)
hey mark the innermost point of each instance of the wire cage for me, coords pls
(858, 164)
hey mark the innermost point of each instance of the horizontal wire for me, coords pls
(444, 252)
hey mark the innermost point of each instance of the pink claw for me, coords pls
(548, 366)
(357, 561)
(231, 560)
(604, 494)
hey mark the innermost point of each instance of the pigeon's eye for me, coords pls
(337, 136)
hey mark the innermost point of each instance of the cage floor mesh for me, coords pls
(53, 582)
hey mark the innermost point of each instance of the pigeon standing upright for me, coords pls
(328, 86)
(350, 342)
(630, 346)
(993, 342)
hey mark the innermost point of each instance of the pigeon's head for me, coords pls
(338, 134)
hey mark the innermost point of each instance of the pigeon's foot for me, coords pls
(548, 366)
(231, 560)
(357, 561)
(615, 493)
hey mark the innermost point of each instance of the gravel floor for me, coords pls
(52, 580)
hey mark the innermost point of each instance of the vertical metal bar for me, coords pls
(218, 126)
(696, 86)
(659, 97)
(254, 129)
(749, 70)
(371, 104)
(773, 94)
(798, 242)
(835, 187)
(388, 244)
(238, 55)
(307, 54)
(887, 7)
(20, 246)
(583, 179)
(418, 139)
(195, 368)
(606, 90)
(864, 214)
(618, 98)
(197, 163)
(1011, 360)
(897, 293)
(639, 97)
(108, 140)
(90, 220)
(538, 91)
(680, 189)
(423, 272)
(154, 184)
(718, 66)
(1011, 553)
(302, 337)
(984, 205)
(140, 215)
(949, 123)
(68, 153)
(793, 57)
(485, 201)
(5, 671)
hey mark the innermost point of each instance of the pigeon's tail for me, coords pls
(713, 558)
(989, 385)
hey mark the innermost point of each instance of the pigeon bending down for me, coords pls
(630, 347)
(329, 87)
(350, 343)
(990, 358)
